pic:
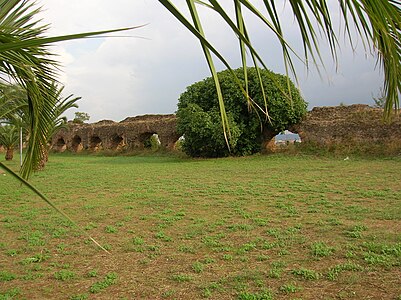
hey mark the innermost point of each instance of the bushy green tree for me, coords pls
(81, 117)
(199, 119)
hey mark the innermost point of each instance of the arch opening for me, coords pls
(150, 141)
(287, 137)
(283, 141)
(178, 143)
(117, 142)
(76, 145)
(95, 143)
(60, 145)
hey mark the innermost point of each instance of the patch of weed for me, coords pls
(356, 231)
(306, 274)
(10, 294)
(197, 267)
(265, 295)
(321, 249)
(109, 279)
(37, 258)
(168, 293)
(335, 271)
(7, 276)
(64, 275)
(92, 273)
(79, 297)
(110, 229)
(12, 252)
(162, 236)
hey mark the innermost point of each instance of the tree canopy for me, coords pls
(198, 117)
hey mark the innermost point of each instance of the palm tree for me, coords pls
(376, 22)
(57, 121)
(18, 113)
(26, 60)
(9, 136)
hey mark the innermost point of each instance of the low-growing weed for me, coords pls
(92, 273)
(197, 267)
(186, 249)
(109, 279)
(79, 297)
(265, 295)
(321, 249)
(7, 276)
(37, 258)
(12, 252)
(110, 229)
(10, 294)
(335, 271)
(168, 293)
(64, 275)
(306, 274)
(162, 236)
(356, 231)
(138, 241)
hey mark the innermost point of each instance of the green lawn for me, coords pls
(261, 227)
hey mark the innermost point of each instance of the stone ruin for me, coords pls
(348, 124)
(322, 126)
(128, 134)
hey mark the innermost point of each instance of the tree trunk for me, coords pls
(9, 153)
(44, 157)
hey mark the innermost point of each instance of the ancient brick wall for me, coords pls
(348, 124)
(322, 126)
(109, 135)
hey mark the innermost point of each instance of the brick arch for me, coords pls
(76, 144)
(117, 142)
(60, 145)
(95, 143)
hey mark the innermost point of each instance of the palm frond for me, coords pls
(50, 203)
(377, 23)
(26, 59)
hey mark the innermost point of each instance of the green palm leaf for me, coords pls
(26, 59)
(377, 22)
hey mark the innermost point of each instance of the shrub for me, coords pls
(198, 115)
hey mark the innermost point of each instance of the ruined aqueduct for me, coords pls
(322, 125)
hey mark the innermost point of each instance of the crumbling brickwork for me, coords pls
(321, 126)
(348, 124)
(109, 135)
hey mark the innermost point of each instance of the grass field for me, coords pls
(261, 227)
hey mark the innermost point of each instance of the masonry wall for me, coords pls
(127, 134)
(348, 124)
(322, 126)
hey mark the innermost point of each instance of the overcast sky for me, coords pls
(145, 71)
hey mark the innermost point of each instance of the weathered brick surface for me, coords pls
(321, 126)
(348, 124)
(129, 134)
